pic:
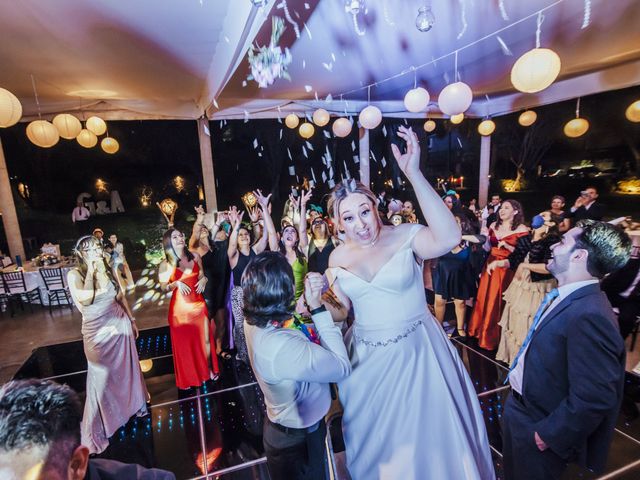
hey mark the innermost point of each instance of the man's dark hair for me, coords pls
(559, 197)
(268, 288)
(608, 247)
(40, 413)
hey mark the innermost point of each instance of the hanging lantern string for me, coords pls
(463, 14)
(415, 77)
(539, 28)
(369, 95)
(455, 68)
(35, 93)
(578, 108)
(446, 55)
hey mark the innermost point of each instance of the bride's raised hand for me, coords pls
(409, 162)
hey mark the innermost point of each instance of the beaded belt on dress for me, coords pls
(389, 341)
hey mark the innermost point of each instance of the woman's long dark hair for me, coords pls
(82, 245)
(518, 218)
(283, 249)
(169, 252)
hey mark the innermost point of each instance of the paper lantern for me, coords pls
(68, 126)
(455, 98)
(110, 145)
(633, 112)
(576, 128)
(429, 126)
(370, 117)
(456, 119)
(96, 125)
(535, 70)
(10, 108)
(321, 117)
(416, 100)
(527, 118)
(306, 130)
(486, 127)
(146, 365)
(43, 133)
(87, 138)
(341, 127)
(292, 120)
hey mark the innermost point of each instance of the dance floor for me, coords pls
(215, 431)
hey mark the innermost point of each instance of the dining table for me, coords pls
(33, 279)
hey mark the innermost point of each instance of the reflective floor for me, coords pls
(216, 431)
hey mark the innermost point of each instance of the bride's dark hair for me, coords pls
(342, 190)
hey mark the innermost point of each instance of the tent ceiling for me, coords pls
(149, 59)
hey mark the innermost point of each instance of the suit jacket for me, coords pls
(595, 212)
(573, 377)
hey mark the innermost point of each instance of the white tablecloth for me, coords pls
(33, 279)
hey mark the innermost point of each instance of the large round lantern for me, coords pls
(576, 128)
(96, 125)
(633, 112)
(527, 118)
(486, 127)
(321, 117)
(43, 133)
(87, 138)
(370, 117)
(535, 70)
(429, 126)
(457, 119)
(306, 130)
(416, 100)
(68, 126)
(455, 98)
(341, 127)
(10, 108)
(110, 145)
(292, 120)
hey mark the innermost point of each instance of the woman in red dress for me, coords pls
(192, 332)
(503, 235)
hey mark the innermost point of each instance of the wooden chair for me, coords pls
(16, 286)
(56, 289)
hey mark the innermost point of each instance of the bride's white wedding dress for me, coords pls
(410, 409)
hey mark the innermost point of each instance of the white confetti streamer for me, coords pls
(215, 104)
(313, 175)
(324, 177)
(304, 152)
(309, 146)
(308, 88)
(306, 29)
(328, 66)
(280, 134)
(331, 183)
(503, 11)
(586, 20)
(383, 162)
(289, 153)
(504, 47)
(246, 116)
(463, 14)
(356, 159)
(255, 143)
(306, 6)
(333, 57)
(329, 98)
(304, 64)
(326, 133)
(384, 130)
(292, 171)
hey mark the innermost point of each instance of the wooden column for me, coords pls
(365, 169)
(8, 210)
(485, 162)
(206, 159)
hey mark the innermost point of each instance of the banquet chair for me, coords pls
(56, 289)
(16, 286)
(5, 300)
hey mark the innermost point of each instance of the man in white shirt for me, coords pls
(567, 378)
(79, 217)
(293, 371)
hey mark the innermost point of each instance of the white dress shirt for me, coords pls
(516, 375)
(80, 214)
(294, 373)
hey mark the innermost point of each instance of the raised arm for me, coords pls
(303, 239)
(194, 240)
(235, 218)
(269, 230)
(443, 232)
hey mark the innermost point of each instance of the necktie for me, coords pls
(549, 297)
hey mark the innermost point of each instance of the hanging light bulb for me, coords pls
(353, 6)
(578, 126)
(425, 18)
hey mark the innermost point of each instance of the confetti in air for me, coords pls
(586, 20)
(463, 14)
(503, 11)
(503, 46)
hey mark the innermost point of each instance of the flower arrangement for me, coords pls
(45, 259)
(270, 62)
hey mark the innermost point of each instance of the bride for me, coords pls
(410, 409)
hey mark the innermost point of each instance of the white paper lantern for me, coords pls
(455, 98)
(110, 145)
(486, 127)
(527, 118)
(87, 138)
(292, 120)
(633, 112)
(535, 70)
(43, 133)
(576, 128)
(306, 130)
(341, 127)
(68, 126)
(370, 117)
(321, 117)
(429, 126)
(96, 125)
(10, 108)
(457, 119)
(416, 100)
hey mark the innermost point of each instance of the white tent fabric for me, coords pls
(177, 59)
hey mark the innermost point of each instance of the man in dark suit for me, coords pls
(586, 206)
(568, 376)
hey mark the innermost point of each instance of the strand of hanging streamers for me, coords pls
(464, 47)
(385, 10)
(35, 93)
(287, 15)
(504, 47)
(539, 28)
(586, 20)
(503, 11)
(356, 27)
(463, 14)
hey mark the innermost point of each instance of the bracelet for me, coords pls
(320, 309)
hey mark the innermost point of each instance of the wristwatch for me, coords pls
(320, 309)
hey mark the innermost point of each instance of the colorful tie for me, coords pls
(549, 297)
